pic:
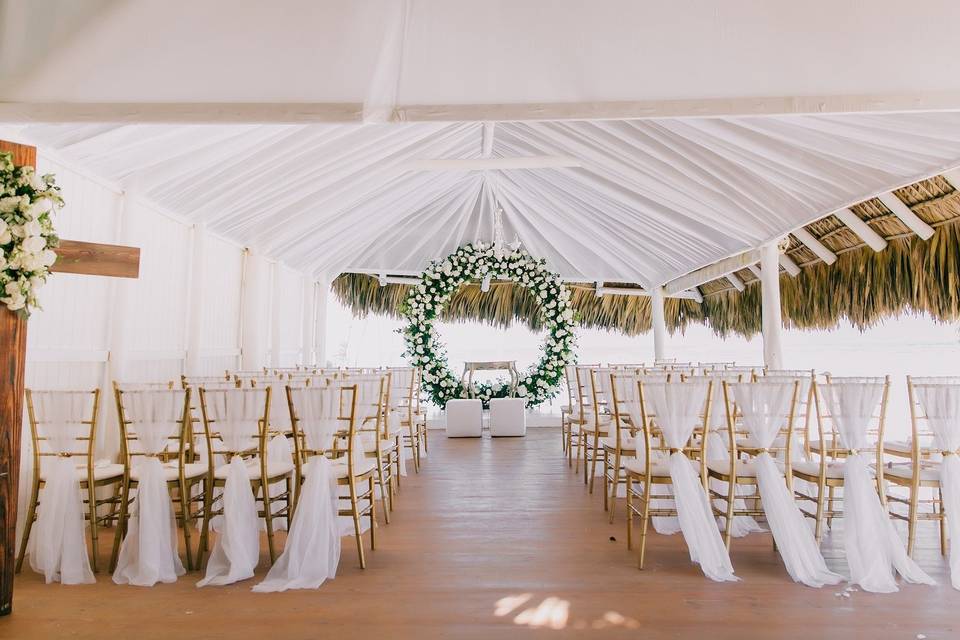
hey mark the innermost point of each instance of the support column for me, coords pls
(276, 305)
(320, 325)
(194, 363)
(659, 322)
(253, 333)
(772, 320)
(308, 327)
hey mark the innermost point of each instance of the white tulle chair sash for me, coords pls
(57, 545)
(941, 406)
(678, 408)
(766, 407)
(237, 416)
(149, 551)
(872, 545)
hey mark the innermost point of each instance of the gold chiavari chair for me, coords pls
(595, 421)
(921, 472)
(402, 407)
(225, 410)
(419, 415)
(352, 469)
(623, 444)
(566, 411)
(374, 437)
(140, 408)
(69, 417)
(651, 468)
(824, 474)
(737, 470)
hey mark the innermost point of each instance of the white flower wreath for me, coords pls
(475, 262)
(27, 237)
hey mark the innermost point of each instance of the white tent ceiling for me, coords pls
(281, 124)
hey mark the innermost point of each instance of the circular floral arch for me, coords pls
(441, 280)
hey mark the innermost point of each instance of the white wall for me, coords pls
(93, 330)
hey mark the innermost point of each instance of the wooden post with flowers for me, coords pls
(29, 249)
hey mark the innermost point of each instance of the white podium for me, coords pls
(508, 417)
(464, 418)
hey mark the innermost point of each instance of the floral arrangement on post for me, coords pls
(27, 237)
(475, 262)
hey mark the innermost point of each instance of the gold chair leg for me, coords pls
(268, 519)
(373, 516)
(943, 524)
(203, 545)
(92, 508)
(31, 516)
(355, 512)
(644, 524)
(121, 529)
(912, 519)
(728, 518)
(629, 513)
(818, 527)
(616, 485)
(184, 522)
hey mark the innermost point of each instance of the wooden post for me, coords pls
(13, 360)
(772, 320)
(659, 322)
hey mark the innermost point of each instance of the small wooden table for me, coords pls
(510, 366)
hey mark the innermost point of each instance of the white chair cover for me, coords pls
(941, 405)
(678, 408)
(149, 551)
(872, 545)
(312, 551)
(235, 554)
(765, 407)
(57, 546)
(797, 451)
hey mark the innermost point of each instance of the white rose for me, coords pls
(17, 231)
(47, 257)
(33, 228)
(12, 288)
(5, 236)
(38, 183)
(15, 302)
(34, 244)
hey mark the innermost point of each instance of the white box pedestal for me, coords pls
(464, 418)
(508, 417)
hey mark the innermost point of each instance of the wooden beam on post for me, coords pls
(711, 272)
(772, 320)
(815, 245)
(13, 364)
(906, 215)
(873, 239)
(658, 322)
(95, 259)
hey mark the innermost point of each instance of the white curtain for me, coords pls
(312, 550)
(872, 545)
(941, 405)
(235, 554)
(678, 407)
(149, 552)
(765, 407)
(57, 546)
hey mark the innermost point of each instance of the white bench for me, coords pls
(508, 417)
(464, 418)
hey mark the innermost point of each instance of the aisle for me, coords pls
(497, 539)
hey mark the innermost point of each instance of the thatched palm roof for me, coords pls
(863, 286)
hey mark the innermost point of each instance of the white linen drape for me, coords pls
(872, 545)
(236, 414)
(57, 546)
(149, 551)
(941, 405)
(678, 407)
(765, 408)
(312, 550)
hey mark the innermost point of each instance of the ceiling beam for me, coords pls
(873, 239)
(491, 164)
(711, 272)
(953, 178)
(735, 281)
(692, 294)
(486, 139)
(819, 249)
(789, 265)
(755, 270)
(906, 215)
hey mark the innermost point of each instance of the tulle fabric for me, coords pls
(941, 405)
(149, 551)
(872, 545)
(237, 548)
(57, 545)
(765, 406)
(718, 450)
(677, 407)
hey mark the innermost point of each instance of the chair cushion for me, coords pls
(660, 466)
(359, 469)
(745, 469)
(905, 472)
(812, 468)
(626, 442)
(101, 471)
(170, 473)
(274, 469)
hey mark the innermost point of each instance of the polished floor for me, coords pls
(499, 539)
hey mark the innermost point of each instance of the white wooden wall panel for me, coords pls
(290, 315)
(220, 324)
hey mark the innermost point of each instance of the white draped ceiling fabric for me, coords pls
(653, 138)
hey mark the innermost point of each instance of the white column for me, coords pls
(659, 323)
(193, 366)
(772, 320)
(254, 318)
(309, 316)
(276, 305)
(320, 325)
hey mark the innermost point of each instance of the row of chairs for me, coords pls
(821, 424)
(196, 428)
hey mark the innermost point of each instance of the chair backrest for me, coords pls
(146, 386)
(63, 423)
(766, 411)
(321, 416)
(236, 421)
(674, 412)
(154, 422)
(625, 403)
(803, 410)
(851, 412)
(934, 415)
